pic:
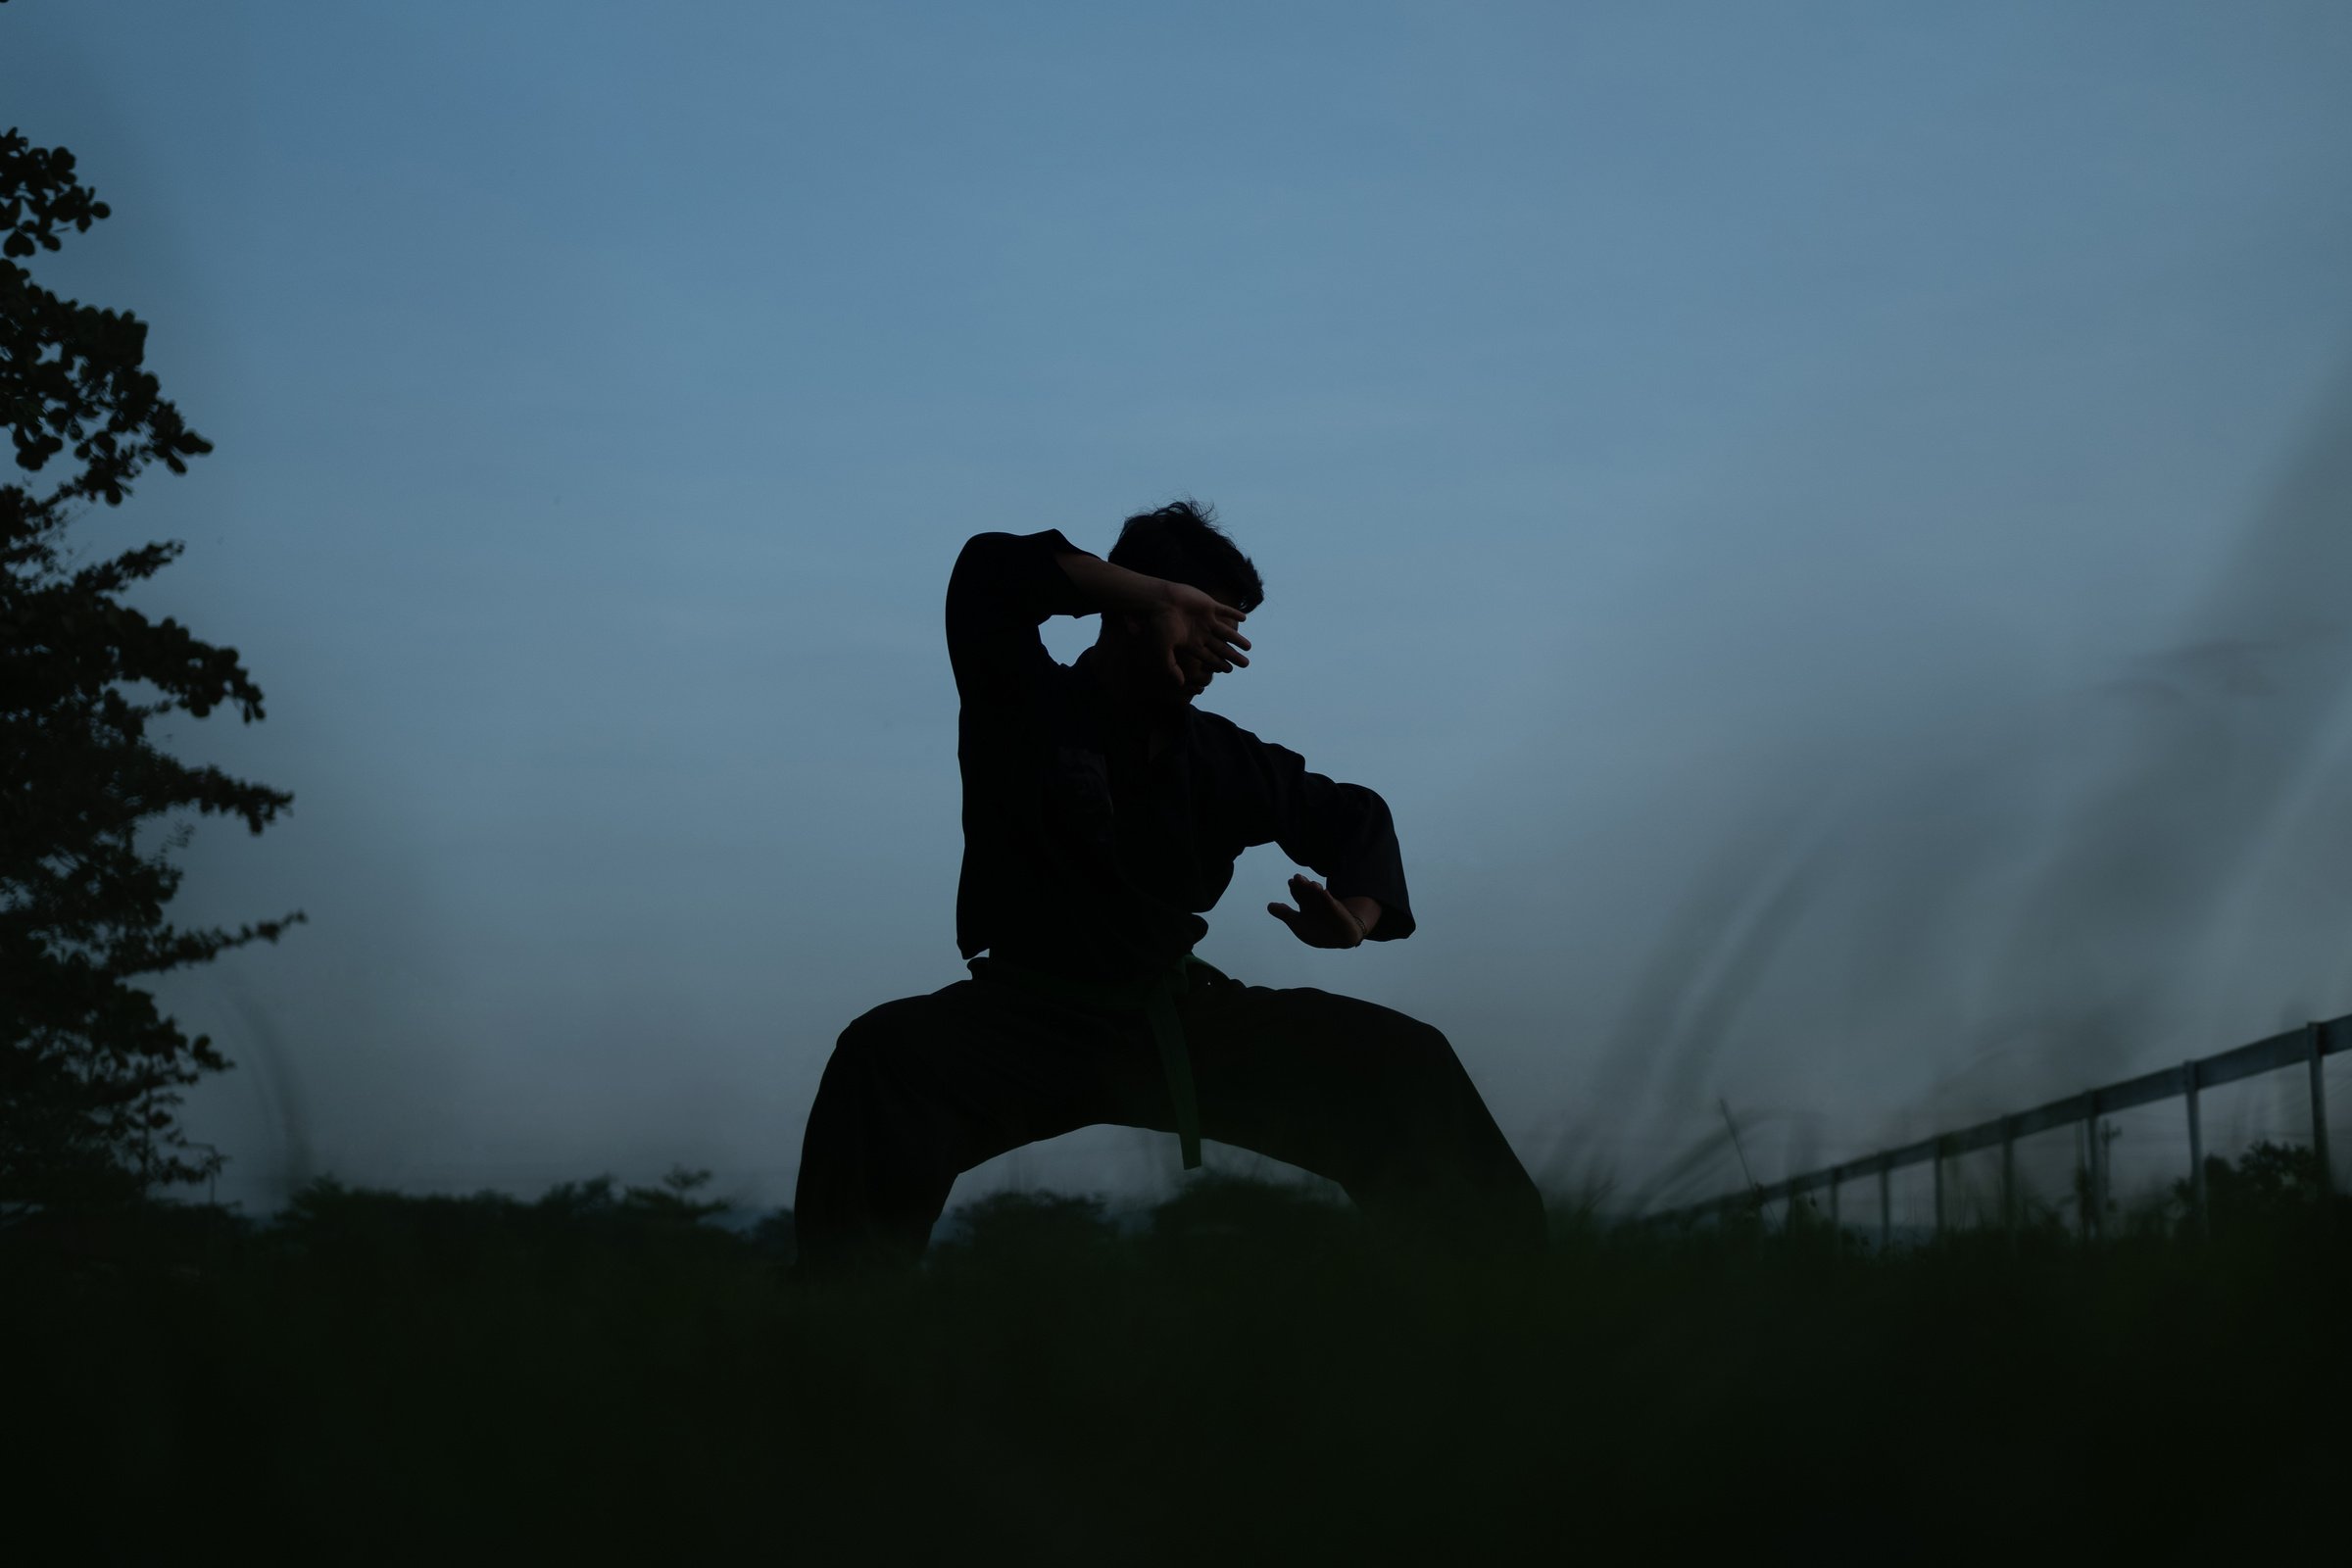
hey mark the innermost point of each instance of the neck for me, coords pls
(1115, 679)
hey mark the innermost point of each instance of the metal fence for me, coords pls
(2309, 1046)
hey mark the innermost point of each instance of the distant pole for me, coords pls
(2319, 1110)
(1885, 1213)
(1747, 1175)
(2196, 1147)
(2108, 1134)
(2008, 1179)
(2082, 1159)
(2098, 1171)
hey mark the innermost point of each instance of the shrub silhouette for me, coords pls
(1028, 1230)
(2269, 1186)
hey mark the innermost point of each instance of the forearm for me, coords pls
(1365, 909)
(1106, 587)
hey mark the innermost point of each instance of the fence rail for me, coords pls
(2309, 1045)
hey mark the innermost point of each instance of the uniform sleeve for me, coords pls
(1002, 588)
(1340, 831)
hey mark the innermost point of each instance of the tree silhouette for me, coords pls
(89, 1069)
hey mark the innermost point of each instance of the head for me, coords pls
(1180, 542)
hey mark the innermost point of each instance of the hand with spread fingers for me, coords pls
(1322, 920)
(1196, 637)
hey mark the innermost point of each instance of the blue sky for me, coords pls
(1682, 444)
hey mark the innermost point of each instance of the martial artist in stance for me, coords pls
(1102, 816)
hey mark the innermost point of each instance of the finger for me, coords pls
(1330, 902)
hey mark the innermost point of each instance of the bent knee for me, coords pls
(1407, 1041)
(1426, 1044)
(1426, 1059)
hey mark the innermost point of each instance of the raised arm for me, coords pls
(1102, 586)
(1186, 626)
(1002, 588)
(1004, 585)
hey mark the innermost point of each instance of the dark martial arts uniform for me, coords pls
(1091, 841)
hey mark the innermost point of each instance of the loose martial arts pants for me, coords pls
(924, 1088)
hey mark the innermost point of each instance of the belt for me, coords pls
(1155, 997)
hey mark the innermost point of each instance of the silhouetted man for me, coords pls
(1101, 814)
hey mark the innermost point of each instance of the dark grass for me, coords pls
(1249, 1377)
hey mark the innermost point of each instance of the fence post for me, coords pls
(2083, 1164)
(2100, 1159)
(1939, 1164)
(1885, 1214)
(2009, 1176)
(2196, 1147)
(2319, 1110)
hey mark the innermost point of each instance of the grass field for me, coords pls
(601, 1374)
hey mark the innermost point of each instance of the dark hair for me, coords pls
(1181, 542)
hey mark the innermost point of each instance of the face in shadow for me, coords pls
(1135, 672)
